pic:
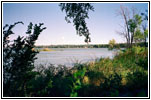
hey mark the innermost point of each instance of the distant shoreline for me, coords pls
(119, 45)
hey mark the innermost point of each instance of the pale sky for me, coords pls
(102, 23)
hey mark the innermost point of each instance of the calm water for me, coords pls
(69, 56)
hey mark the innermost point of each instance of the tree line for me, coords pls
(114, 45)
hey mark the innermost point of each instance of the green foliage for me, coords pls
(137, 79)
(18, 59)
(124, 75)
(134, 23)
(138, 19)
(77, 81)
(146, 33)
(138, 36)
(112, 84)
(137, 49)
(134, 28)
(142, 60)
(78, 12)
(131, 58)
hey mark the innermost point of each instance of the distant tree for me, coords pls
(112, 44)
(18, 59)
(78, 12)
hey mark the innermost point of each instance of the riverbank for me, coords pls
(126, 75)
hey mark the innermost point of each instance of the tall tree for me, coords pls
(78, 12)
(124, 13)
(132, 22)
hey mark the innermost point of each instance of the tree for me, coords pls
(124, 13)
(134, 24)
(144, 26)
(141, 33)
(78, 12)
(18, 59)
(112, 44)
(132, 21)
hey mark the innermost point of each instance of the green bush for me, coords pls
(18, 59)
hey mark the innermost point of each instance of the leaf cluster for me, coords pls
(78, 12)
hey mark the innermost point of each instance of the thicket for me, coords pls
(126, 75)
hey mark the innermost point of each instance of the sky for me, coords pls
(103, 23)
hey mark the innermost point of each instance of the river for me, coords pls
(69, 56)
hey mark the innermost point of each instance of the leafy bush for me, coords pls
(18, 59)
(138, 83)
(112, 85)
(137, 79)
(77, 81)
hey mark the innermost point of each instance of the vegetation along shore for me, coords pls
(124, 75)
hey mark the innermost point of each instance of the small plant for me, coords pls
(77, 81)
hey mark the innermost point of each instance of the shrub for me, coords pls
(137, 83)
(18, 59)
